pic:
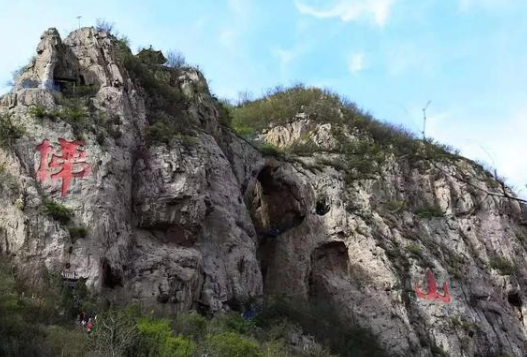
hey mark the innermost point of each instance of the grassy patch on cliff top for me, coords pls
(166, 104)
(280, 106)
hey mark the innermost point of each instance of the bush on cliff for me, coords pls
(9, 131)
(280, 106)
(58, 212)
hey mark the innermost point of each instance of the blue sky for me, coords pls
(469, 57)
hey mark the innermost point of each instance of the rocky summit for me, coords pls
(129, 175)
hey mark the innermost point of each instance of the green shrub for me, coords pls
(178, 346)
(159, 132)
(360, 169)
(338, 164)
(395, 206)
(68, 342)
(275, 348)
(58, 212)
(224, 110)
(74, 113)
(77, 232)
(303, 147)
(429, 212)
(190, 324)
(270, 150)
(243, 129)
(415, 250)
(280, 105)
(233, 322)
(503, 265)
(188, 141)
(163, 132)
(156, 340)
(230, 344)
(40, 111)
(9, 131)
(153, 335)
(164, 99)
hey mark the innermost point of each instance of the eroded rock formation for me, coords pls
(209, 222)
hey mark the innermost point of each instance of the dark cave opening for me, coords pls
(322, 206)
(275, 209)
(515, 300)
(111, 278)
(330, 259)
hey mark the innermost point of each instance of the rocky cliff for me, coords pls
(117, 170)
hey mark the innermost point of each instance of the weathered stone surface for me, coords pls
(215, 223)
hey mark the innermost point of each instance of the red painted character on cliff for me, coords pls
(67, 164)
(433, 294)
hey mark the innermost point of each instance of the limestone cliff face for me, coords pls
(212, 222)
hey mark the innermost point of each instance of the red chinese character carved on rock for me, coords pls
(67, 164)
(433, 294)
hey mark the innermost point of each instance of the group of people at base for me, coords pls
(87, 322)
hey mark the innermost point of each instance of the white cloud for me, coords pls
(356, 62)
(352, 10)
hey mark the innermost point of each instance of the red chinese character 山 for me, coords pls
(433, 294)
(67, 164)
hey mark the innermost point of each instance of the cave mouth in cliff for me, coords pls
(515, 300)
(322, 207)
(111, 278)
(329, 261)
(275, 209)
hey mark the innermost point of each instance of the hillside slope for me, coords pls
(120, 171)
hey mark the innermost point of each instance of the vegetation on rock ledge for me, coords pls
(38, 318)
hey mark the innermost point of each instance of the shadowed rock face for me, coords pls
(214, 223)
(275, 209)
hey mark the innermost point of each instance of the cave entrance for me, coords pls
(64, 85)
(275, 209)
(515, 300)
(111, 278)
(330, 270)
(322, 207)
